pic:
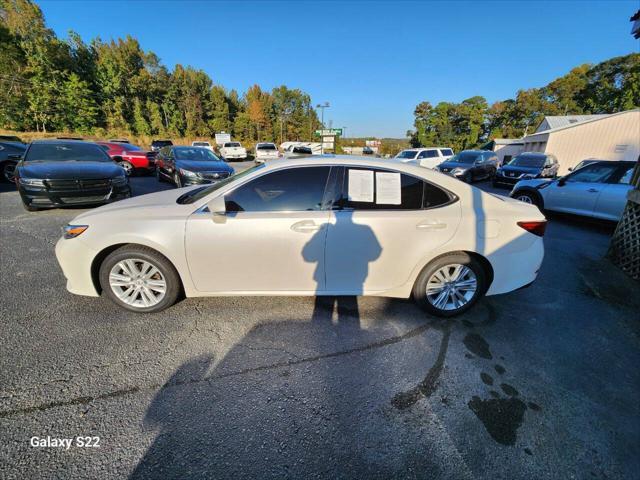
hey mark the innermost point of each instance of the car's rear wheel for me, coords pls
(450, 284)
(8, 171)
(139, 279)
(128, 167)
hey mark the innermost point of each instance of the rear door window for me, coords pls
(415, 193)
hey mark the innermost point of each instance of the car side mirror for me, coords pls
(562, 181)
(217, 206)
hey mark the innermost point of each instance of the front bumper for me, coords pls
(504, 180)
(187, 181)
(236, 156)
(75, 258)
(48, 197)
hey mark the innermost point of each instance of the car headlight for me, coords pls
(188, 173)
(32, 182)
(121, 180)
(457, 171)
(72, 231)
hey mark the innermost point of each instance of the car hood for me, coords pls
(511, 168)
(69, 170)
(452, 165)
(203, 166)
(152, 204)
(532, 182)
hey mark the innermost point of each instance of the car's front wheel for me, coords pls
(527, 197)
(177, 180)
(450, 284)
(127, 166)
(139, 279)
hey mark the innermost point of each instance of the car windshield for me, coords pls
(231, 144)
(198, 193)
(161, 143)
(465, 157)
(200, 144)
(532, 161)
(409, 154)
(66, 152)
(195, 153)
(267, 146)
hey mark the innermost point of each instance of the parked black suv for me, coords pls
(471, 165)
(156, 145)
(526, 165)
(56, 173)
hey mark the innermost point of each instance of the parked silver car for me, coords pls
(597, 190)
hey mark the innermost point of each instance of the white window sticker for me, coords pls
(388, 188)
(360, 187)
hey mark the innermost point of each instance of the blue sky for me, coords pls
(373, 61)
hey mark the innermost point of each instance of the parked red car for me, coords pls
(130, 157)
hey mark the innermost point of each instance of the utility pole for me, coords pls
(322, 107)
(344, 135)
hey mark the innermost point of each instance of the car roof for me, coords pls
(535, 154)
(58, 141)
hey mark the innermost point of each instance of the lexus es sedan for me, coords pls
(597, 190)
(321, 225)
(58, 173)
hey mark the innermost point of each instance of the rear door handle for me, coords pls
(431, 226)
(306, 226)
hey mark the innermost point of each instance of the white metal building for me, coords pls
(557, 121)
(606, 137)
(506, 148)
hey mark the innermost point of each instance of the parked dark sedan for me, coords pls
(524, 166)
(56, 173)
(190, 166)
(471, 165)
(10, 154)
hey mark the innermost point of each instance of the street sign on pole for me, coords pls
(329, 132)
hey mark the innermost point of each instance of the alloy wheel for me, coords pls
(137, 283)
(525, 199)
(177, 180)
(128, 168)
(9, 172)
(451, 287)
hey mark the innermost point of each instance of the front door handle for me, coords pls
(306, 226)
(431, 226)
(593, 190)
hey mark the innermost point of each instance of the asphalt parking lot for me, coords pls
(540, 383)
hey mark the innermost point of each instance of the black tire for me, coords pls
(460, 258)
(527, 197)
(7, 171)
(139, 252)
(177, 180)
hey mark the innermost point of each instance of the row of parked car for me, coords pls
(593, 188)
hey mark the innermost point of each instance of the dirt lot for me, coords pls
(539, 383)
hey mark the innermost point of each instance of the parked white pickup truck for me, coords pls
(233, 151)
(266, 151)
(200, 143)
(429, 157)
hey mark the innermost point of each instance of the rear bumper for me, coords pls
(41, 197)
(517, 269)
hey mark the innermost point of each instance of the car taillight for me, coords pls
(537, 228)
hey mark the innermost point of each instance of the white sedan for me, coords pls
(597, 190)
(312, 226)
